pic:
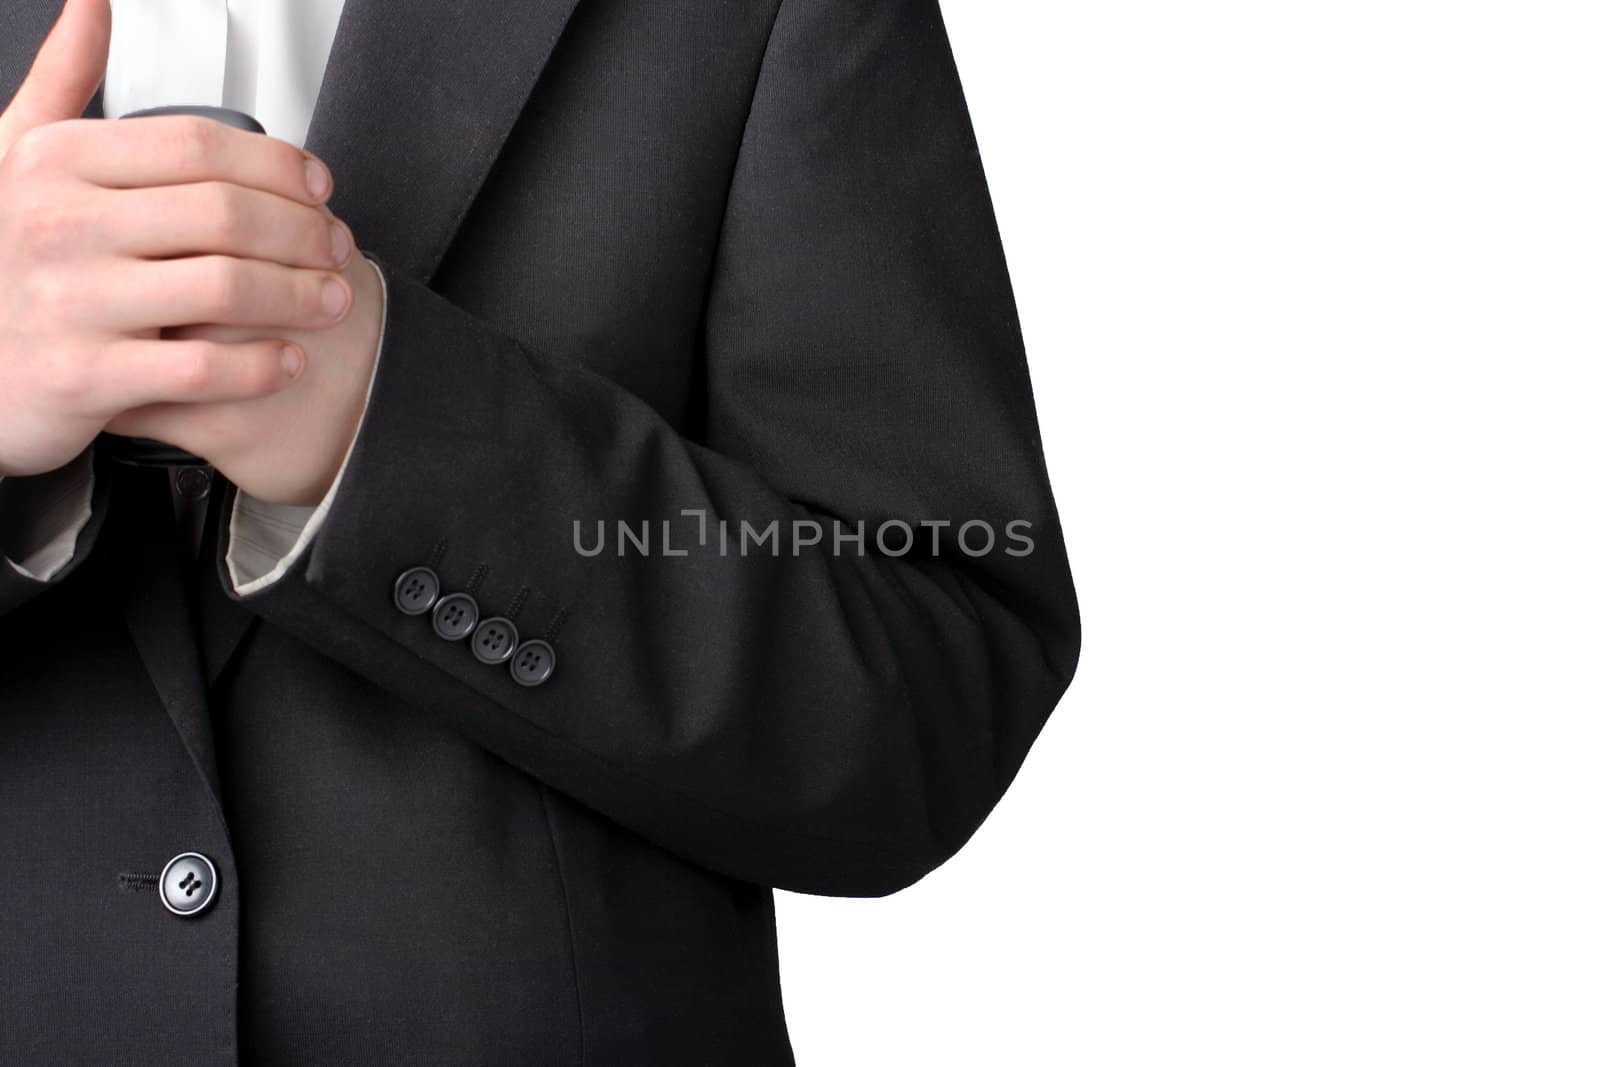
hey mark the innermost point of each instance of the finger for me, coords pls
(222, 219)
(217, 290)
(135, 373)
(65, 72)
(179, 149)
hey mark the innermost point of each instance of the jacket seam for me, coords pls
(566, 910)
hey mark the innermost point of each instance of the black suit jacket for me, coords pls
(731, 258)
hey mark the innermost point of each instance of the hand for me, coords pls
(111, 232)
(285, 448)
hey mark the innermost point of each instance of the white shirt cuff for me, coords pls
(44, 535)
(265, 540)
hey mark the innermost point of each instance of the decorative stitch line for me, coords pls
(555, 624)
(436, 556)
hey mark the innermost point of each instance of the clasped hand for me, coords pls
(173, 278)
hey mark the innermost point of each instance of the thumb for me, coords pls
(65, 73)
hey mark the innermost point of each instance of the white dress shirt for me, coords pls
(267, 59)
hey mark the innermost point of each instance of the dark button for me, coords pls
(416, 591)
(533, 663)
(193, 483)
(455, 616)
(494, 641)
(188, 884)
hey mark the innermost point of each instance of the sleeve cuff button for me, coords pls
(533, 663)
(416, 591)
(455, 616)
(494, 641)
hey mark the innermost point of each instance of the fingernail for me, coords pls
(341, 244)
(334, 298)
(318, 181)
(294, 361)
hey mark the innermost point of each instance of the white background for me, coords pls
(1311, 298)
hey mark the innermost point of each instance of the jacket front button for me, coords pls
(188, 884)
(193, 483)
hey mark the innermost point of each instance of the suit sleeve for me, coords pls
(48, 524)
(833, 718)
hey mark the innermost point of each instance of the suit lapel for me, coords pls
(417, 102)
(224, 622)
(155, 603)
